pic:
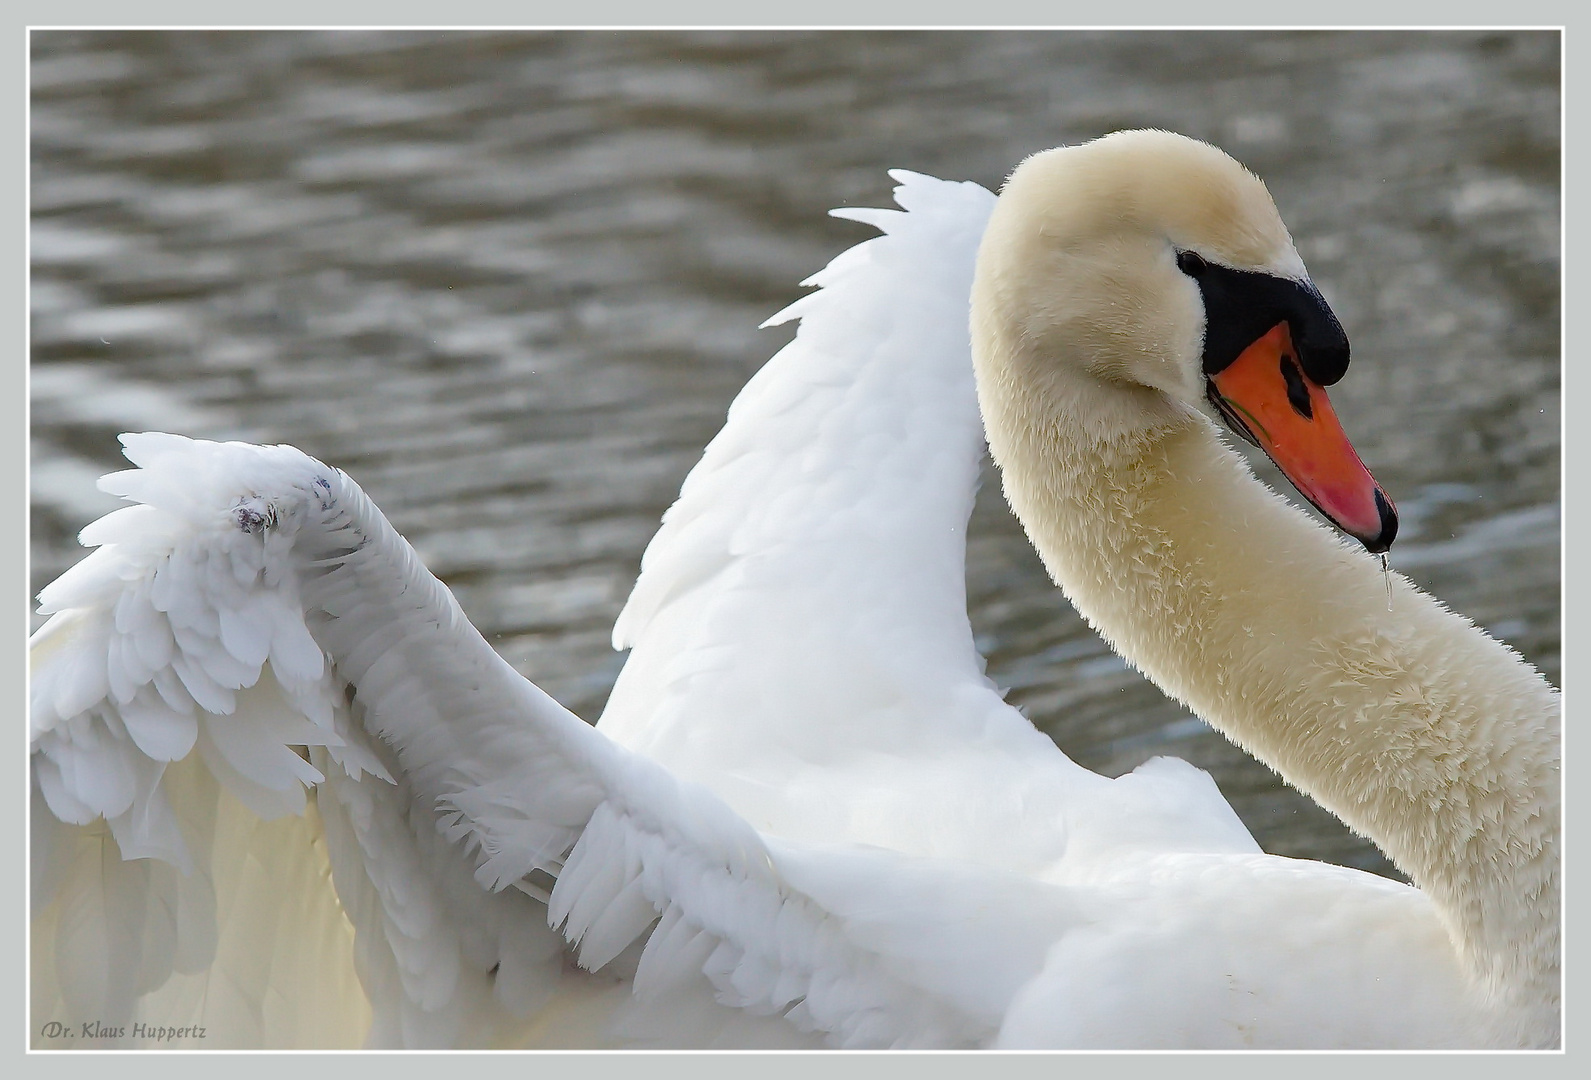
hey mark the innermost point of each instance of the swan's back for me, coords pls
(799, 631)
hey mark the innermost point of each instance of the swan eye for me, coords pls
(1191, 264)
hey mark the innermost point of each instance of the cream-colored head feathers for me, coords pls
(1079, 263)
(1163, 185)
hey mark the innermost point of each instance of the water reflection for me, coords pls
(510, 282)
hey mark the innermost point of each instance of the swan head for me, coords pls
(1131, 283)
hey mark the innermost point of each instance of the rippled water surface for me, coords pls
(510, 282)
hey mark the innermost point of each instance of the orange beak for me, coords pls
(1266, 397)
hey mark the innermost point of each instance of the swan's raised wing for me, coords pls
(819, 545)
(253, 603)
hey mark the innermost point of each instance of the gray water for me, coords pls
(510, 282)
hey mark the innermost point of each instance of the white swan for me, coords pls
(806, 817)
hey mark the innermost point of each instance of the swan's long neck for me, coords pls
(1418, 730)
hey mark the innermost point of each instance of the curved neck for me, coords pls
(1419, 731)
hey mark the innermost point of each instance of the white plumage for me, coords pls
(806, 817)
